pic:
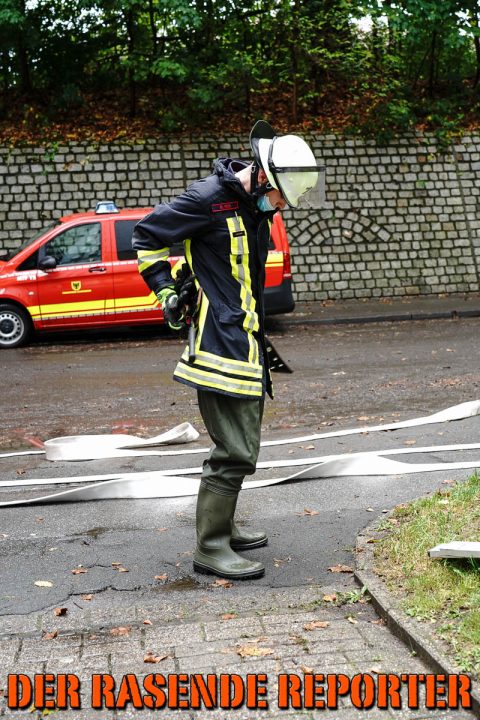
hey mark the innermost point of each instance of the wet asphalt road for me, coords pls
(344, 376)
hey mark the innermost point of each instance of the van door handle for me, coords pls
(97, 268)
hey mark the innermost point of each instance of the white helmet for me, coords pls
(289, 165)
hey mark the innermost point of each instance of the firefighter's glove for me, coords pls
(187, 294)
(171, 309)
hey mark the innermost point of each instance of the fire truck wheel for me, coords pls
(15, 326)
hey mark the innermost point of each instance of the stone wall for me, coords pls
(399, 220)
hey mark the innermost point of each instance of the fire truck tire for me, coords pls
(15, 326)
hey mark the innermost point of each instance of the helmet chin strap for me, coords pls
(257, 190)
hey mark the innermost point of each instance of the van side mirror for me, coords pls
(47, 263)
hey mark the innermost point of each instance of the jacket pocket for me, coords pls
(230, 316)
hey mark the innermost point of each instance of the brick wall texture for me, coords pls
(401, 219)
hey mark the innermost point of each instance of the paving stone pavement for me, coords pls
(294, 631)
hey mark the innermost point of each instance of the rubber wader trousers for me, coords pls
(234, 427)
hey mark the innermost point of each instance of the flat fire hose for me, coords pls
(93, 447)
(174, 483)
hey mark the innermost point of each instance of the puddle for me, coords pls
(181, 585)
(94, 532)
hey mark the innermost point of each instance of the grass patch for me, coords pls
(445, 593)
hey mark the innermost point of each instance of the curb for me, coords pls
(426, 647)
(378, 318)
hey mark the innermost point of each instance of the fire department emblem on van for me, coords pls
(76, 286)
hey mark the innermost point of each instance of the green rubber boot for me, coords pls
(214, 530)
(246, 539)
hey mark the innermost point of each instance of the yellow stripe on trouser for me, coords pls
(241, 272)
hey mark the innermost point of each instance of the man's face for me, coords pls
(275, 196)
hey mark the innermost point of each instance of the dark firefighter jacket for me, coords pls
(226, 245)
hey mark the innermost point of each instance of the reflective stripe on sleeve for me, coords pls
(147, 258)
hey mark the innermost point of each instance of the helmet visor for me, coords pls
(302, 186)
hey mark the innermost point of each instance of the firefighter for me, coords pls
(224, 222)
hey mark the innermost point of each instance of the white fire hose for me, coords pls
(176, 483)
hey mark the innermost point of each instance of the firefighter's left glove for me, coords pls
(172, 312)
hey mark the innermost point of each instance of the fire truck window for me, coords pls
(30, 263)
(123, 238)
(80, 244)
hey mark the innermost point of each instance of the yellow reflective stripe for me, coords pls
(203, 359)
(143, 301)
(208, 379)
(147, 258)
(202, 319)
(241, 272)
(98, 305)
(188, 251)
(236, 365)
(274, 258)
(93, 307)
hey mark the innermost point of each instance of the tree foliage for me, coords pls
(128, 68)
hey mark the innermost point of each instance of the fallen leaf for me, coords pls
(79, 571)
(309, 447)
(306, 670)
(60, 611)
(341, 569)
(253, 651)
(21, 471)
(86, 597)
(162, 529)
(329, 598)
(120, 631)
(375, 670)
(316, 624)
(147, 622)
(222, 582)
(410, 442)
(151, 658)
(161, 577)
(50, 635)
(370, 510)
(122, 569)
(228, 616)
(352, 620)
(43, 583)
(278, 561)
(306, 511)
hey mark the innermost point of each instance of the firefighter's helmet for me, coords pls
(289, 165)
